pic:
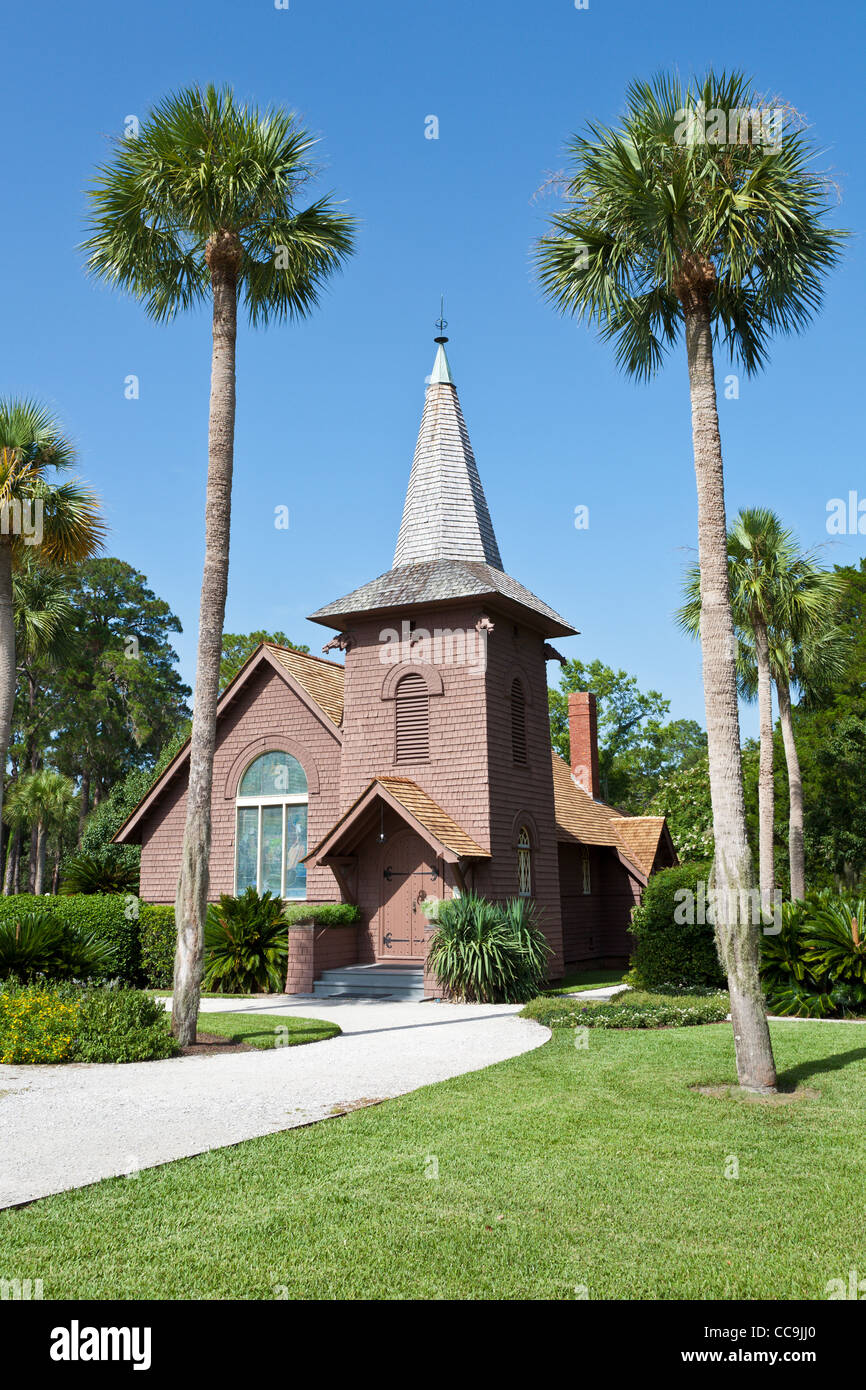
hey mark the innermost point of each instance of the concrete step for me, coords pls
(393, 982)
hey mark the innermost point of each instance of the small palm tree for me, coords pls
(57, 522)
(672, 232)
(45, 800)
(203, 205)
(783, 608)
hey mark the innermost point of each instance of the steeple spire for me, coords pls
(445, 516)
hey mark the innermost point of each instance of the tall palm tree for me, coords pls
(203, 205)
(58, 522)
(808, 654)
(670, 231)
(45, 800)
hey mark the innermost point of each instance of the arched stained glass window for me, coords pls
(271, 828)
(524, 864)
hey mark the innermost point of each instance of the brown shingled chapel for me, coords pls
(420, 768)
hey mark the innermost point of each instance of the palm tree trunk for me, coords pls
(796, 850)
(84, 802)
(766, 785)
(7, 658)
(732, 872)
(192, 889)
(41, 840)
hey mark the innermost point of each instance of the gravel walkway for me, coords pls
(63, 1127)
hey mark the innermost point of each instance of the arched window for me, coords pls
(518, 722)
(271, 830)
(524, 864)
(587, 871)
(412, 705)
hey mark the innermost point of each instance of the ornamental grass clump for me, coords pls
(488, 953)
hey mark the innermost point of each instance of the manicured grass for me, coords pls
(596, 1166)
(267, 1030)
(586, 979)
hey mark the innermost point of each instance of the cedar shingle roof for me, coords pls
(427, 812)
(437, 581)
(445, 516)
(589, 822)
(322, 680)
(432, 817)
(642, 835)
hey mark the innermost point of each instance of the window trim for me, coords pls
(524, 851)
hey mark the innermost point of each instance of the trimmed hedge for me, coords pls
(631, 1009)
(669, 952)
(42, 1024)
(322, 914)
(137, 932)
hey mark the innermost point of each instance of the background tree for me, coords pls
(45, 800)
(60, 522)
(637, 747)
(202, 204)
(677, 229)
(122, 699)
(238, 647)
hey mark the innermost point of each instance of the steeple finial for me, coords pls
(441, 373)
(441, 322)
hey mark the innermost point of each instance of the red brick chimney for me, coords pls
(583, 733)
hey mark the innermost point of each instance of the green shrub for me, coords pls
(246, 944)
(90, 873)
(157, 935)
(669, 951)
(322, 914)
(487, 952)
(48, 1024)
(631, 1009)
(815, 967)
(122, 1025)
(35, 943)
(112, 918)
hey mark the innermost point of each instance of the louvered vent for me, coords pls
(518, 722)
(413, 720)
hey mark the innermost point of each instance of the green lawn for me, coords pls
(579, 980)
(267, 1030)
(566, 1167)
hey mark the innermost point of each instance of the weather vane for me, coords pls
(441, 322)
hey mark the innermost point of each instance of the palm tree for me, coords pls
(807, 656)
(45, 800)
(783, 607)
(670, 231)
(202, 205)
(59, 523)
(44, 619)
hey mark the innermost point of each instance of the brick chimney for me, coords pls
(583, 734)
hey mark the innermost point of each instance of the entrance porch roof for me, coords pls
(420, 812)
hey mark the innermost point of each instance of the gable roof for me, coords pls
(324, 681)
(317, 682)
(417, 808)
(580, 818)
(642, 834)
(445, 516)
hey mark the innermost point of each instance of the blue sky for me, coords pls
(328, 410)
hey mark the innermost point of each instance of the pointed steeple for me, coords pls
(445, 516)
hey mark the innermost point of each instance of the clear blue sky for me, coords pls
(328, 410)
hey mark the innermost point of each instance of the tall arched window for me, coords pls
(524, 863)
(271, 838)
(412, 706)
(518, 722)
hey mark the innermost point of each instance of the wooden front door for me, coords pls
(409, 873)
